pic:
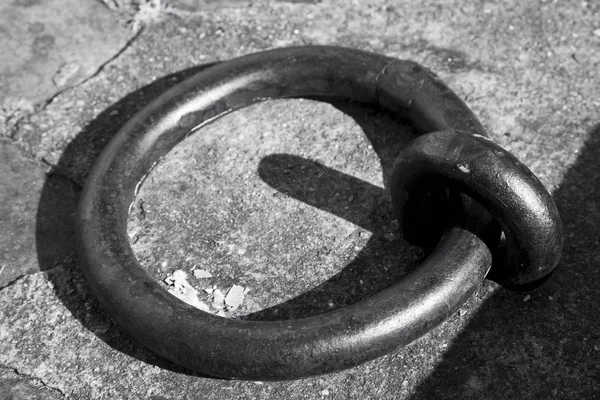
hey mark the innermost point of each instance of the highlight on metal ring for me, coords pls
(263, 350)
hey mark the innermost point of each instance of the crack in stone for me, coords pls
(22, 276)
(37, 382)
(56, 172)
(15, 280)
(13, 127)
(92, 76)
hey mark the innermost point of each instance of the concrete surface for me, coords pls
(287, 198)
(45, 49)
(21, 182)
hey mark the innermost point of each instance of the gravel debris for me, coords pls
(202, 274)
(235, 297)
(218, 299)
(180, 288)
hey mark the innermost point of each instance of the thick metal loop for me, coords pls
(478, 167)
(282, 349)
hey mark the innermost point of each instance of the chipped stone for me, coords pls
(202, 274)
(235, 297)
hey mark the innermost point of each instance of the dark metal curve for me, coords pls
(281, 349)
(495, 178)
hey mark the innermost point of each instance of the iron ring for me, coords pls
(478, 167)
(274, 350)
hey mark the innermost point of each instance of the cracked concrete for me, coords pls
(526, 69)
(46, 50)
(15, 385)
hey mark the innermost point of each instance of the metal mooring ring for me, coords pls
(276, 349)
(478, 167)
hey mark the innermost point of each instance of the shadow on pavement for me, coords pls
(386, 257)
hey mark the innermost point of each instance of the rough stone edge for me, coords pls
(10, 372)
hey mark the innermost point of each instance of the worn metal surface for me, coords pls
(279, 349)
(496, 179)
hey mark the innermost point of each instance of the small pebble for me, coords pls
(202, 274)
(597, 32)
(527, 297)
(235, 297)
(218, 299)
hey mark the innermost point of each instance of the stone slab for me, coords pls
(50, 45)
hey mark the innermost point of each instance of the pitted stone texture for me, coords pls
(14, 386)
(286, 198)
(49, 45)
(204, 5)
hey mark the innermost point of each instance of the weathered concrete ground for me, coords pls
(287, 198)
